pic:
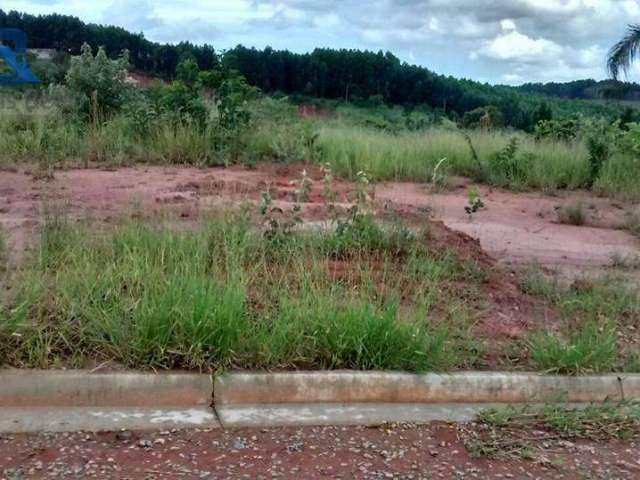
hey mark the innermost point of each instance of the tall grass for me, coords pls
(350, 140)
(414, 155)
(594, 315)
(223, 296)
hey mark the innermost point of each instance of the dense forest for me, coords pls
(353, 76)
(586, 89)
(67, 33)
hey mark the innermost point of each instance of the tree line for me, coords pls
(350, 75)
(67, 33)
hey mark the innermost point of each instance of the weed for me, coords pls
(572, 214)
(439, 180)
(328, 191)
(526, 432)
(507, 168)
(302, 193)
(592, 348)
(278, 223)
(224, 296)
(474, 202)
(535, 282)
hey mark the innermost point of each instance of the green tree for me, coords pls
(99, 80)
(188, 72)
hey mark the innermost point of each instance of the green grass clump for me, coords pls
(227, 296)
(589, 349)
(594, 313)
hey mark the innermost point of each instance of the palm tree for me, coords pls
(623, 53)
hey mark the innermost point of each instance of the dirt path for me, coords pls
(521, 228)
(391, 452)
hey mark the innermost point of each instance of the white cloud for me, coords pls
(515, 46)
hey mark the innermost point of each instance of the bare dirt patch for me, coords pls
(392, 451)
(521, 228)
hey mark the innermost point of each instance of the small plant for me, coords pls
(572, 214)
(310, 141)
(474, 203)
(363, 194)
(509, 168)
(328, 191)
(438, 179)
(598, 155)
(279, 224)
(302, 193)
(480, 171)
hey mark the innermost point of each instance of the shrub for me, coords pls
(573, 214)
(99, 80)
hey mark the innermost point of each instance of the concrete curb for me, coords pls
(380, 387)
(78, 388)
(32, 401)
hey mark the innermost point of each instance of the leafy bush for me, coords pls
(508, 168)
(100, 80)
(561, 129)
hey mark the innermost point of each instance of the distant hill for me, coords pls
(586, 90)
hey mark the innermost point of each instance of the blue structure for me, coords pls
(15, 58)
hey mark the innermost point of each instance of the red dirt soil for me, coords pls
(520, 228)
(433, 451)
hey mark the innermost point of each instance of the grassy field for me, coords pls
(414, 155)
(348, 140)
(230, 294)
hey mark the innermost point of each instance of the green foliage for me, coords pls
(100, 81)
(188, 72)
(221, 296)
(542, 113)
(508, 168)
(564, 129)
(590, 349)
(474, 202)
(483, 117)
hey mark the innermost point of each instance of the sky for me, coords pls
(496, 41)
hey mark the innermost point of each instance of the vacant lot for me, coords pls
(282, 267)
